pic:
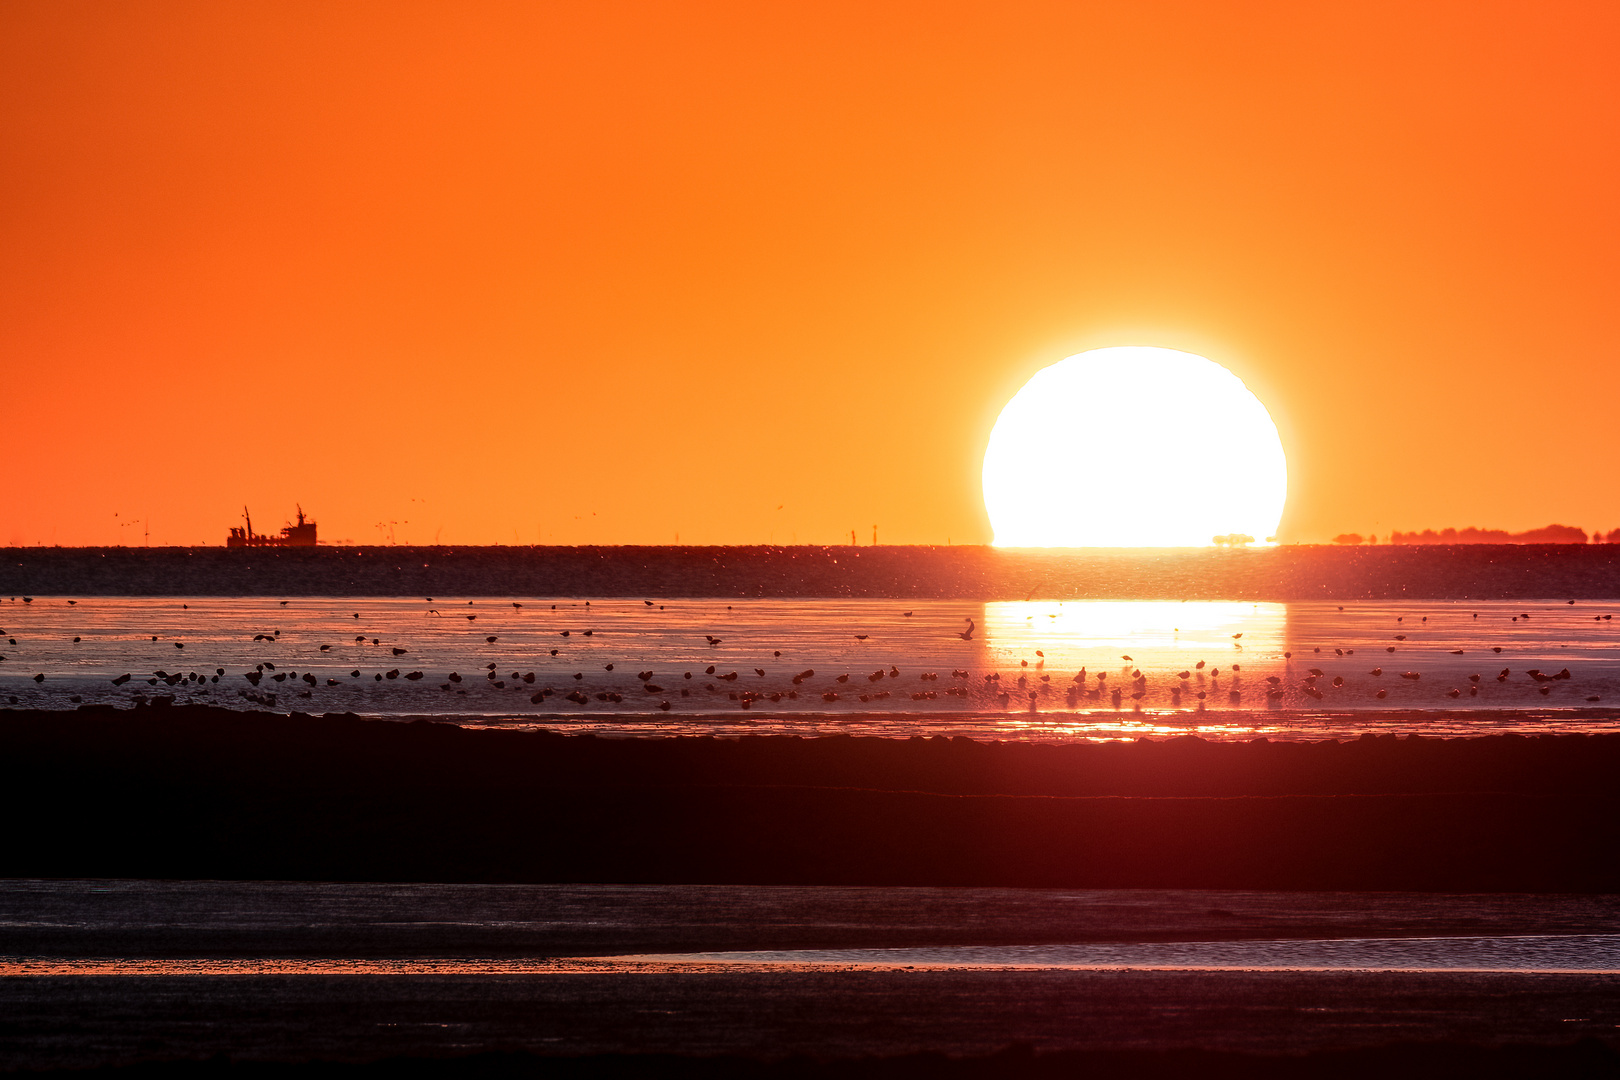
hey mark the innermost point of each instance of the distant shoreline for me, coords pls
(1280, 574)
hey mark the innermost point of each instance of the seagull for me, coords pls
(967, 635)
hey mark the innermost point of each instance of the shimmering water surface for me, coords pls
(203, 929)
(1525, 953)
(879, 666)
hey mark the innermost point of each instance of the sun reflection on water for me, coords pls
(1089, 632)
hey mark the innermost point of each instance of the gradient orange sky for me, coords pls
(748, 273)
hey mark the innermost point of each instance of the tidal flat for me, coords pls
(558, 979)
(1257, 867)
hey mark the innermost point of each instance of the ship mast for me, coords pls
(249, 521)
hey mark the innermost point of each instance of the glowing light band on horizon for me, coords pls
(1133, 447)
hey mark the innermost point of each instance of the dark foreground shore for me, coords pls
(196, 792)
(115, 980)
(1586, 1060)
(1509, 571)
(124, 985)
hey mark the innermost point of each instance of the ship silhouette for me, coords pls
(299, 535)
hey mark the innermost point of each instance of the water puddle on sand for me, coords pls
(1550, 954)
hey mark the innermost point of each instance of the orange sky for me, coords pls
(609, 273)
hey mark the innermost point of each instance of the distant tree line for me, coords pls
(1547, 534)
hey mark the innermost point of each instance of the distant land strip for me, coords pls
(1288, 573)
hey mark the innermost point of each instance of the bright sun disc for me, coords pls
(1133, 447)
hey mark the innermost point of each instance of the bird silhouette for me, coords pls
(967, 635)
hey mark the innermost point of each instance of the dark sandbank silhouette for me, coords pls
(200, 792)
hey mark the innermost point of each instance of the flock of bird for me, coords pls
(1029, 686)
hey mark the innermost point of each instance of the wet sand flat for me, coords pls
(296, 971)
(837, 1015)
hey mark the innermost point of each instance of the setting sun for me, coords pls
(1133, 447)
